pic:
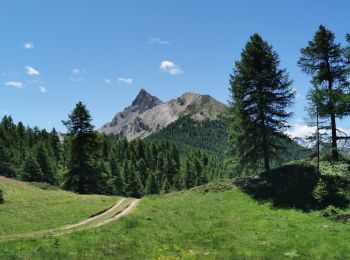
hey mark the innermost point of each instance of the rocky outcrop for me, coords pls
(148, 114)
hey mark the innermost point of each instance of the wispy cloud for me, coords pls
(158, 41)
(75, 71)
(171, 67)
(108, 81)
(4, 112)
(28, 45)
(127, 81)
(76, 75)
(10, 75)
(14, 84)
(42, 89)
(31, 71)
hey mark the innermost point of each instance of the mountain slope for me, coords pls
(189, 134)
(148, 114)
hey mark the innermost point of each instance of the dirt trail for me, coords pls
(120, 209)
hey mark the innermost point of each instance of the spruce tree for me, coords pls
(46, 164)
(260, 94)
(31, 170)
(56, 145)
(119, 182)
(166, 186)
(135, 186)
(189, 175)
(325, 60)
(142, 170)
(6, 167)
(151, 185)
(84, 151)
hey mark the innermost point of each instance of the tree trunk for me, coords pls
(335, 156)
(334, 138)
(267, 165)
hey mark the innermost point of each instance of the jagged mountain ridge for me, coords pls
(148, 114)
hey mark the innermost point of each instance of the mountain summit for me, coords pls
(145, 101)
(148, 114)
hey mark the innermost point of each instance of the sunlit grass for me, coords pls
(29, 208)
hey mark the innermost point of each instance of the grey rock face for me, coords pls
(148, 114)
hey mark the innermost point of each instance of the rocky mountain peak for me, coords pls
(145, 101)
(148, 114)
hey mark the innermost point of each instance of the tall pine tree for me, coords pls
(83, 163)
(325, 61)
(260, 93)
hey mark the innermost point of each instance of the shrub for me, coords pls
(216, 186)
(320, 192)
(330, 212)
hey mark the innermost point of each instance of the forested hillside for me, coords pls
(211, 136)
(189, 134)
(88, 162)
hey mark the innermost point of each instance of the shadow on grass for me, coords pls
(291, 186)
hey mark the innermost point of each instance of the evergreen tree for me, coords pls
(189, 175)
(31, 170)
(126, 174)
(119, 182)
(151, 185)
(166, 186)
(135, 186)
(325, 60)
(1, 197)
(6, 167)
(169, 168)
(84, 151)
(56, 145)
(45, 163)
(142, 170)
(260, 93)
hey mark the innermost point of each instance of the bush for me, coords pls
(216, 186)
(1, 197)
(321, 192)
(330, 212)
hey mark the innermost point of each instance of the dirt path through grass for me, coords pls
(118, 210)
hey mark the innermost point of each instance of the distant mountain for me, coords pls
(148, 114)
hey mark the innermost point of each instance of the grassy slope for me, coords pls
(29, 208)
(191, 225)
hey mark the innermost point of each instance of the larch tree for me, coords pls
(261, 93)
(325, 60)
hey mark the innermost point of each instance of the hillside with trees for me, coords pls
(89, 162)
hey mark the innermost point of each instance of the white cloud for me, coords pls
(31, 71)
(158, 41)
(127, 81)
(301, 131)
(75, 79)
(14, 84)
(75, 71)
(28, 45)
(76, 75)
(108, 81)
(171, 67)
(42, 89)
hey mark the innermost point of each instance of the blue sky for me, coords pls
(56, 53)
